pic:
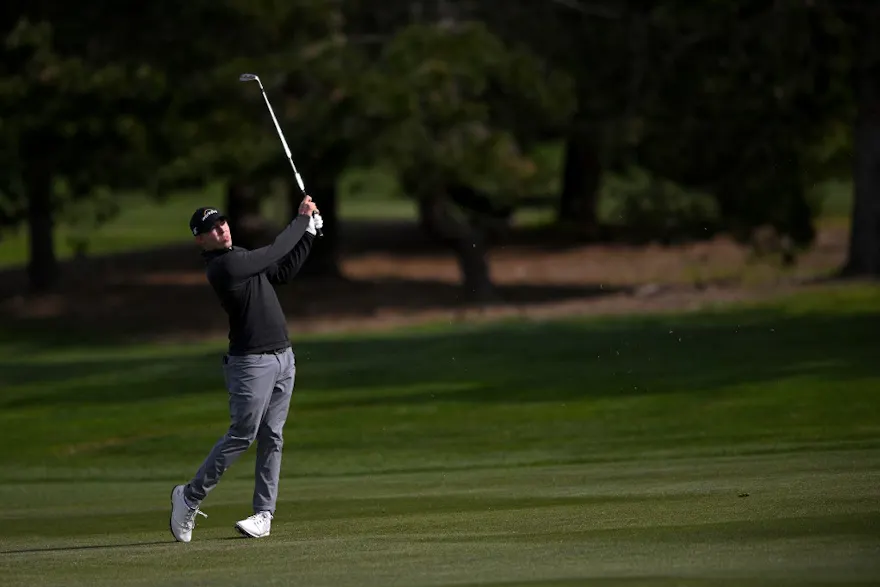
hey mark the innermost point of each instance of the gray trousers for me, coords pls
(260, 388)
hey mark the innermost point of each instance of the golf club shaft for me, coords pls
(299, 180)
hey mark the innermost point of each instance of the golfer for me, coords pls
(259, 366)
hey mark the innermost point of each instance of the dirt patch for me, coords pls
(163, 294)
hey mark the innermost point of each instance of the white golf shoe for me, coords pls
(183, 517)
(256, 526)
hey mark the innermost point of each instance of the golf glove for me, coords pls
(315, 222)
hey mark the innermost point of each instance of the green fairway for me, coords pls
(734, 447)
(143, 223)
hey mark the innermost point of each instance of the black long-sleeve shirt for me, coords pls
(244, 281)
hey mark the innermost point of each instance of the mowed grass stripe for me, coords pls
(779, 492)
(362, 558)
(712, 532)
(809, 475)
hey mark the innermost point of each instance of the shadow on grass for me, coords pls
(560, 362)
(87, 547)
(512, 363)
(178, 304)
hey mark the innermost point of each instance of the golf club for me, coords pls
(249, 77)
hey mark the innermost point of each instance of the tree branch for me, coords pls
(590, 9)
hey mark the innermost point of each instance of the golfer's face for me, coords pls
(219, 237)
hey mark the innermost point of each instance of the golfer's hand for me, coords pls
(307, 206)
(315, 224)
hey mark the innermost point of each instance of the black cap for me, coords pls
(203, 220)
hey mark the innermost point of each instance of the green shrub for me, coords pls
(652, 208)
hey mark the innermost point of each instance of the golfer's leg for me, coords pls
(270, 438)
(250, 380)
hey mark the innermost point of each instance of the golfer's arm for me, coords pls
(246, 263)
(287, 268)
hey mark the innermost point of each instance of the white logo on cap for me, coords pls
(208, 212)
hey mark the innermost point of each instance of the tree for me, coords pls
(139, 107)
(454, 110)
(307, 67)
(702, 94)
(863, 258)
(74, 127)
(733, 111)
(596, 43)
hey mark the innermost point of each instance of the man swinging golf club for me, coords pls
(259, 366)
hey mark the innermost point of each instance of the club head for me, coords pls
(247, 77)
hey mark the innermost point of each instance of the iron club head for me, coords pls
(247, 77)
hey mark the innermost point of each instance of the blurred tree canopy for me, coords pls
(751, 103)
(75, 125)
(455, 108)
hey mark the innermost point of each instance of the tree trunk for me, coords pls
(800, 217)
(582, 173)
(249, 229)
(469, 244)
(324, 258)
(42, 264)
(864, 245)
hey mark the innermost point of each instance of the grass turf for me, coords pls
(143, 223)
(364, 194)
(736, 446)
